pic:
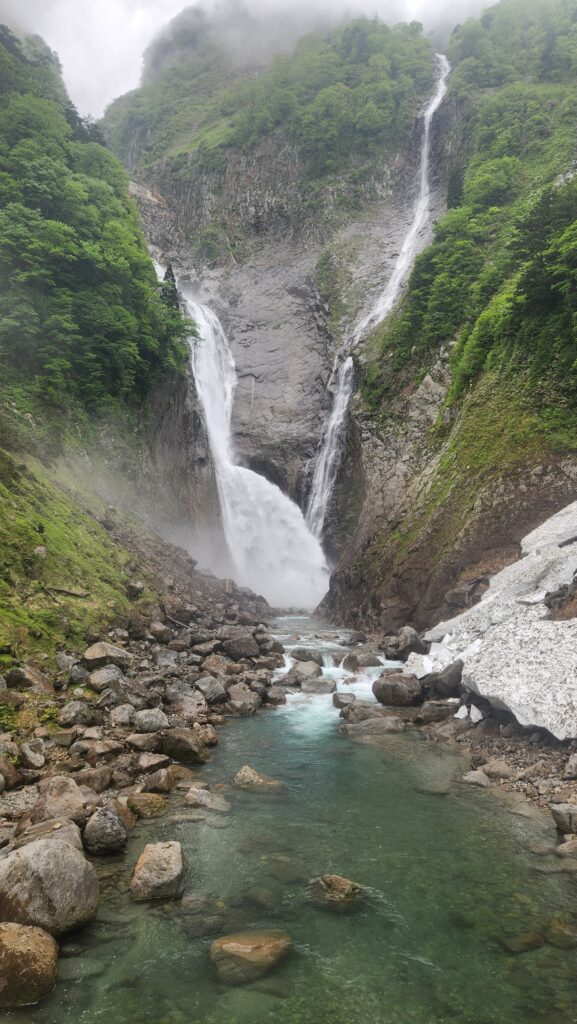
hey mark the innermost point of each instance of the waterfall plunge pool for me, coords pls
(447, 869)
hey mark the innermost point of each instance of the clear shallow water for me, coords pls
(446, 876)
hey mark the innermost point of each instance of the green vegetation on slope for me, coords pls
(340, 98)
(81, 319)
(499, 282)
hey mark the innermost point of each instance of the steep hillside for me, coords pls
(468, 396)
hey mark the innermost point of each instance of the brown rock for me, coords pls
(159, 872)
(524, 943)
(183, 745)
(247, 956)
(28, 965)
(146, 805)
(335, 893)
(249, 779)
(397, 689)
(101, 654)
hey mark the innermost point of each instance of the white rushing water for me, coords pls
(342, 376)
(271, 547)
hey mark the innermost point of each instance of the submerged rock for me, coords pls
(209, 801)
(249, 779)
(524, 943)
(247, 956)
(374, 727)
(333, 892)
(28, 965)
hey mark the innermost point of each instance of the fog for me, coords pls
(100, 42)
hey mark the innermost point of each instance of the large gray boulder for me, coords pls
(397, 689)
(213, 690)
(77, 712)
(50, 885)
(28, 965)
(150, 720)
(307, 654)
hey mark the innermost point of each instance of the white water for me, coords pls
(271, 548)
(342, 377)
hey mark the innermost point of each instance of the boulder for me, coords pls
(350, 662)
(343, 700)
(397, 689)
(498, 769)
(161, 633)
(406, 642)
(32, 754)
(106, 678)
(362, 711)
(77, 712)
(477, 778)
(434, 711)
(213, 690)
(565, 817)
(274, 696)
(105, 832)
(55, 828)
(335, 893)
(159, 872)
(101, 654)
(307, 654)
(146, 805)
(98, 779)
(161, 781)
(561, 934)
(318, 686)
(215, 665)
(250, 955)
(145, 741)
(570, 771)
(59, 797)
(150, 720)
(27, 677)
(526, 942)
(302, 671)
(28, 965)
(448, 683)
(208, 801)
(242, 700)
(10, 774)
(48, 884)
(374, 727)
(147, 763)
(184, 745)
(241, 647)
(251, 781)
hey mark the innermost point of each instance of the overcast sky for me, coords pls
(100, 42)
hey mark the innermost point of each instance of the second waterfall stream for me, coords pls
(342, 377)
(271, 548)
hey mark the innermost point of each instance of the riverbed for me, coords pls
(448, 873)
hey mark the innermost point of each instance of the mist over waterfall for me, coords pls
(341, 379)
(271, 547)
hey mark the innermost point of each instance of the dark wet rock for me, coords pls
(184, 745)
(397, 689)
(335, 893)
(48, 884)
(27, 677)
(28, 965)
(448, 683)
(247, 956)
(251, 781)
(241, 647)
(105, 832)
(159, 872)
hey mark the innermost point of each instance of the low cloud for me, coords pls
(100, 42)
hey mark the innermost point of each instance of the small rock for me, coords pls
(249, 779)
(333, 892)
(163, 634)
(208, 801)
(106, 678)
(78, 712)
(561, 934)
(524, 943)
(477, 778)
(248, 956)
(146, 805)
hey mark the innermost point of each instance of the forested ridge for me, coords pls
(81, 317)
(499, 283)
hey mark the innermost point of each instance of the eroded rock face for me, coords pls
(159, 872)
(246, 956)
(50, 885)
(28, 965)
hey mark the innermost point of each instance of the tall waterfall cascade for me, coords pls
(342, 377)
(272, 550)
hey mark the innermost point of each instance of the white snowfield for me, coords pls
(514, 655)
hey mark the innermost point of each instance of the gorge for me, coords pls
(288, 556)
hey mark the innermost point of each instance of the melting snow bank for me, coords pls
(514, 655)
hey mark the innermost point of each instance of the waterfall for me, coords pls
(341, 380)
(271, 547)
